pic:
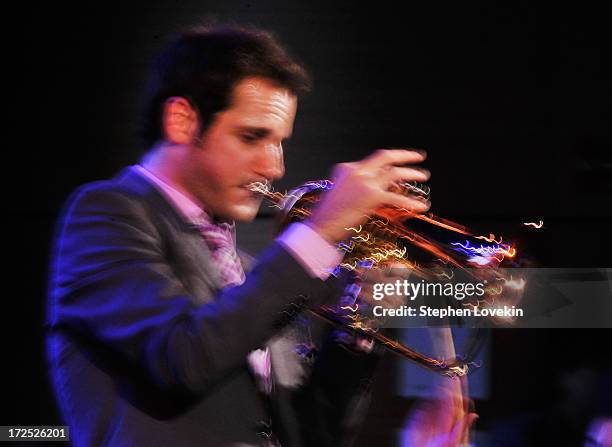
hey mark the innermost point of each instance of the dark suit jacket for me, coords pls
(145, 350)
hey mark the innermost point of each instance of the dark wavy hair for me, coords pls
(204, 64)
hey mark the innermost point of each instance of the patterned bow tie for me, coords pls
(221, 242)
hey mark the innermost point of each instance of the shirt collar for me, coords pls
(187, 206)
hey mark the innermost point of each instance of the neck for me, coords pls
(164, 160)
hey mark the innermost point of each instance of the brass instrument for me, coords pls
(384, 231)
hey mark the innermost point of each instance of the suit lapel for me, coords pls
(204, 277)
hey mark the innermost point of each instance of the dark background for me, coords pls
(511, 102)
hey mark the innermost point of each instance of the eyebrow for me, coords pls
(260, 132)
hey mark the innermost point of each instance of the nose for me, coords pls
(271, 164)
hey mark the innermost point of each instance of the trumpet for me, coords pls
(378, 241)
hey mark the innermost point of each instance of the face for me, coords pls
(244, 144)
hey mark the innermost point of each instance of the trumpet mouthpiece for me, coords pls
(264, 187)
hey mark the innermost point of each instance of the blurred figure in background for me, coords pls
(439, 422)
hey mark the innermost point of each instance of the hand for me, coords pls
(437, 423)
(363, 186)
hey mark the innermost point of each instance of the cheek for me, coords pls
(212, 168)
(224, 162)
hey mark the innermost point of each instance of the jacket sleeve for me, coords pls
(112, 283)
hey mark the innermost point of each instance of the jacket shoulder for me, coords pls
(126, 189)
(127, 184)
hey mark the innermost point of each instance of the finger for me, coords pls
(410, 204)
(408, 174)
(471, 418)
(383, 157)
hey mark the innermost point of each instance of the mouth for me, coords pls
(253, 190)
(258, 188)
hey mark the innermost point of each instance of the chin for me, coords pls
(243, 213)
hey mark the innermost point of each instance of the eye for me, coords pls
(249, 138)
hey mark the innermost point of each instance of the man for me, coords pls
(158, 337)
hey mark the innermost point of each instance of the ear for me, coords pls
(180, 121)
